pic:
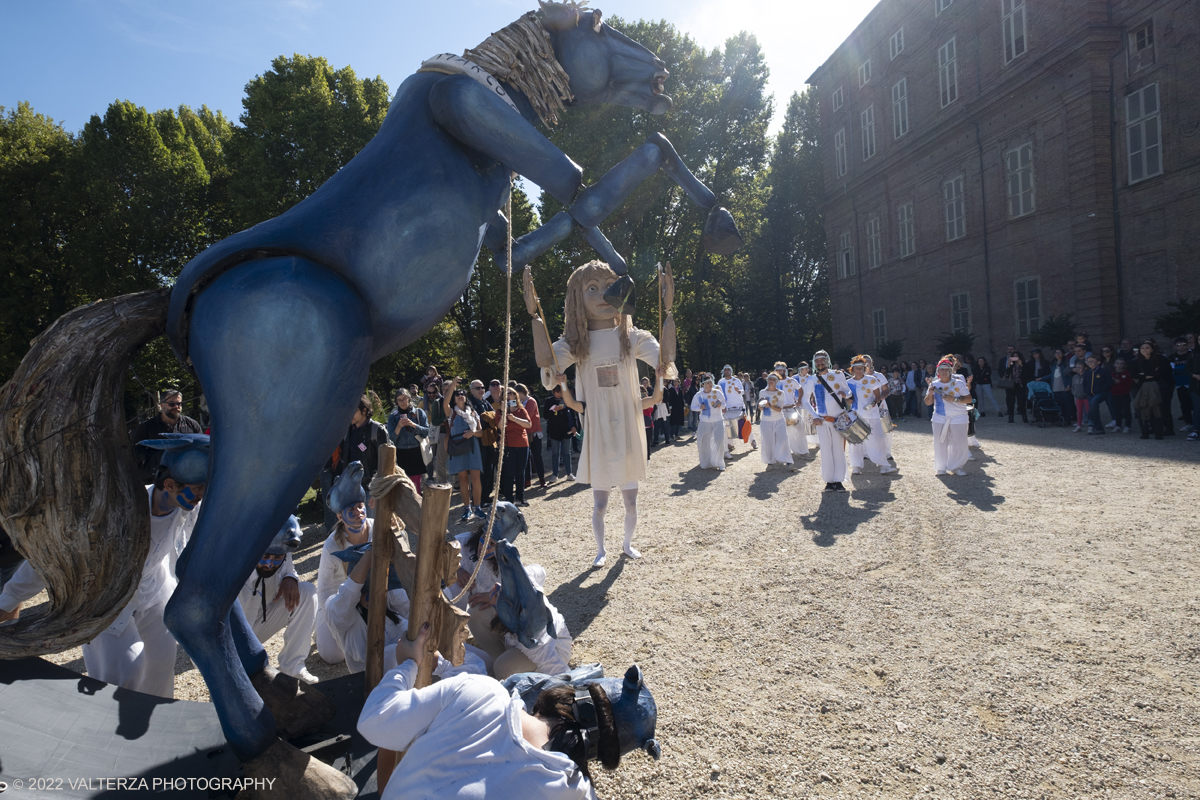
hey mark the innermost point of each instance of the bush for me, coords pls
(961, 343)
(890, 351)
(1054, 331)
(1183, 320)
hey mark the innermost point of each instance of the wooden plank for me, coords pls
(431, 555)
(381, 558)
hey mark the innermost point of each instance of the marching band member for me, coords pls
(773, 426)
(819, 387)
(885, 416)
(865, 400)
(791, 402)
(710, 432)
(806, 417)
(735, 406)
(950, 398)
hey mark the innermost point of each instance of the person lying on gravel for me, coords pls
(466, 734)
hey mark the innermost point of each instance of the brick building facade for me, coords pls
(990, 163)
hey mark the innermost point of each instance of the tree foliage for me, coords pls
(1053, 331)
(1184, 318)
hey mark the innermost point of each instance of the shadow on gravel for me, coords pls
(580, 605)
(767, 482)
(975, 489)
(694, 480)
(836, 517)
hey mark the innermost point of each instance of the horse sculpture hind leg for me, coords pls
(281, 347)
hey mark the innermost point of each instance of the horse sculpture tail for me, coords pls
(68, 481)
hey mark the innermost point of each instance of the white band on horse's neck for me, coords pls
(451, 64)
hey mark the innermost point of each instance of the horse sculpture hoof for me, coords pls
(286, 771)
(721, 236)
(297, 707)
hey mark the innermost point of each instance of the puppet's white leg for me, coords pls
(600, 505)
(630, 498)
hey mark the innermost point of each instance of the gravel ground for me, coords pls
(1029, 630)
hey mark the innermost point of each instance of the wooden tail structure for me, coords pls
(422, 575)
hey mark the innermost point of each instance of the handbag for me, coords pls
(1005, 382)
(458, 446)
(426, 451)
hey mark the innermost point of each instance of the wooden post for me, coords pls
(431, 555)
(381, 558)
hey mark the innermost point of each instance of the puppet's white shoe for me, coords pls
(631, 551)
(600, 559)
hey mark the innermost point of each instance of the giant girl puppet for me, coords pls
(280, 324)
(600, 340)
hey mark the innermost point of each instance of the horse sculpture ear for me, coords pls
(597, 19)
(557, 16)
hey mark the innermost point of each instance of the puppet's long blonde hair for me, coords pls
(575, 323)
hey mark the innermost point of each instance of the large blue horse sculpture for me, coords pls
(281, 322)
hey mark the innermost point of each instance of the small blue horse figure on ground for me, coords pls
(281, 322)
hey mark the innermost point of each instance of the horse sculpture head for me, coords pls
(604, 66)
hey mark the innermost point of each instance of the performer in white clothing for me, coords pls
(885, 416)
(792, 402)
(951, 399)
(806, 414)
(600, 340)
(468, 737)
(865, 400)
(137, 651)
(24, 584)
(348, 500)
(710, 431)
(821, 389)
(347, 614)
(735, 406)
(773, 426)
(274, 599)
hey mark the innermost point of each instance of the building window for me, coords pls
(907, 235)
(1028, 306)
(1013, 21)
(940, 5)
(864, 73)
(868, 132)
(879, 320)
(960, 312)
(900, 108)
(896, 44)
(1142, 38)
(874, 246)
(1142, 134)
(956, 214)
(845, 258)
(839, 151)
(837, 98)
(1018, 162)
(948, 73)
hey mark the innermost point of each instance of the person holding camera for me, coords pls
(1014, 383)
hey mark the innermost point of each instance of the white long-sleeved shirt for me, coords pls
(24, 584)
(463, 737)
(252, 592)
(341, 610)
(331, 570)
(733, 390)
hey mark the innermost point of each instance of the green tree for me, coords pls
(791, 309)
(34, 156)
(303, 121)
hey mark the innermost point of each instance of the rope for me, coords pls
(382, 484)
(487, 537)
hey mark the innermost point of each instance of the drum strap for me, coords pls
(837, 399)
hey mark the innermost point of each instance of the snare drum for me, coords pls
(853, 429)
(791, 416)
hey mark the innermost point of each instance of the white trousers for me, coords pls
(874, 448)
(141, 658)
(710, 441)
(833, 453)
(328, 645)
(297, 626)
(774, 431)
(733, 419)
(797, 441)
(951, 452)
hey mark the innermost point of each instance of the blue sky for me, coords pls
(71, 58)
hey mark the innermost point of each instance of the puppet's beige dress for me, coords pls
(614, 434)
